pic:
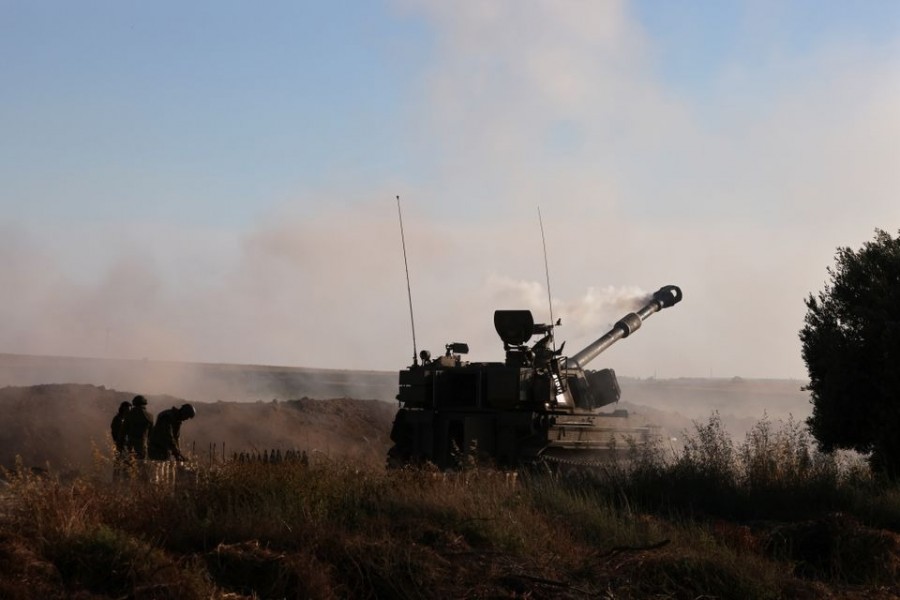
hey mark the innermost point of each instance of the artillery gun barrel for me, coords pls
(665, 297)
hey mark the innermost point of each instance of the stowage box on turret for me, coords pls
(537, 405)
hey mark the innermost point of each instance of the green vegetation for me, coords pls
(769, 518)
(851, 347)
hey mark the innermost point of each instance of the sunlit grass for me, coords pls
(720, 519)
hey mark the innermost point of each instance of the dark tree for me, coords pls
(851, 347)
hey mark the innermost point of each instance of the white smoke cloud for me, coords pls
(597, 307)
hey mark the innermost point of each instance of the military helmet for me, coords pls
(124, 407)
(139, 401)
(187, 411)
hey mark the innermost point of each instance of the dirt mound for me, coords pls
(63, 425)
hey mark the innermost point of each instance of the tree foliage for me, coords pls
(851, 347)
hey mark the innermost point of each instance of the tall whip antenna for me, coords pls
(408, 289)
(547, 273)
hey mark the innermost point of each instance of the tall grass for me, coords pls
(774, 474)
(766, 518)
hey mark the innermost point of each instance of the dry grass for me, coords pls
(718, 520)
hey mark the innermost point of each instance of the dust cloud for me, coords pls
(36, 432)
(253, 408)
(199, 381)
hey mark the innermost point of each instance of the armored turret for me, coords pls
(536, 405)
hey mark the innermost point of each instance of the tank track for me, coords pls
(556, 462)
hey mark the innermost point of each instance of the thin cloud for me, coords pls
(739, 198)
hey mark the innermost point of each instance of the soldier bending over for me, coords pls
(164, 438)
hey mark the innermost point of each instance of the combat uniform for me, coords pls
(117, 428)
(165, 435)
(138, 423)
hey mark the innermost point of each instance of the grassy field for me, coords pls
(767, 518)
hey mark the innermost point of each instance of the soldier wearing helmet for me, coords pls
(164, 438)
(117, 427)
(137, 425)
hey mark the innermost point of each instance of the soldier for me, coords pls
(117, 428)
(164, 438)
(138, 423)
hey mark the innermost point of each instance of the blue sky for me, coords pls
(215, 181)
(697, 40)
(208, 108)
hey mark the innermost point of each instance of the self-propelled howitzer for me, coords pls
(536, 405)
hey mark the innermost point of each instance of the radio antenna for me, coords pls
(408, 289)
(547, 273)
